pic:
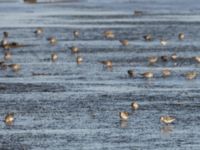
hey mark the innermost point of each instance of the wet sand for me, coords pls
(77, 107)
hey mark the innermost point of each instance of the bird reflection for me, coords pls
(123, 124)
(166, 129)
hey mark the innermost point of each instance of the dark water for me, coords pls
(77, 106)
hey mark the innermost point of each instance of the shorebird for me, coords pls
(166, 72)
(134, 105)
(9, 119)
(167, 119)
(174, 56)
(6, 46)
(107, 63)
(52, 40)
(79, 60)
(197, 58)
(152, 59)
(164, 58)
(7, 55)
(123, 115)
(54, 57)
(74, 49)
(15, 67)
(163, 42)
(181, 36)
(76, 33)
(147, 74)
(148, 37)
(3, 66)
(124, 42)
(131, 73)
(191, 75)
(5, 34)
(109, 34)
(39, 31)
(4, 42)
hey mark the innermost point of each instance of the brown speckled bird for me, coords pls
(52, 40)
(109, 34)
(148, 74)
(9, 119)
(124, 42)
(107, 63)
(191, 75)
(76, 34)
(148, 37)
(15, 67)
(131, 73)
(74, 49)
(167, 119)
(166, 72)
(152, 59)
(134, 105)
(174, 56)
(39, 31)
(181, 36)
(163, 42)
(79, 60)
(123, 115)
(54, 57)
(164, 58)
(197, 59)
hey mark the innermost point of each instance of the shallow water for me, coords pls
(76, 106)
